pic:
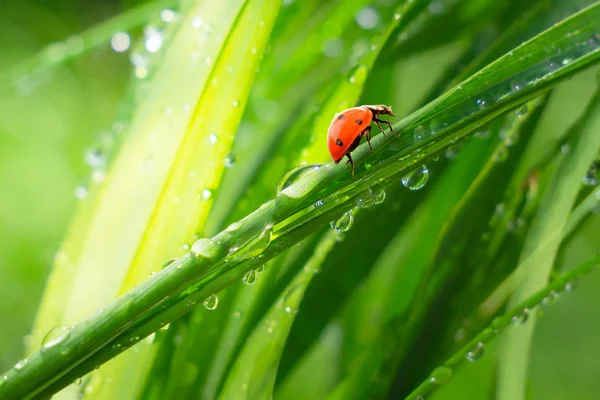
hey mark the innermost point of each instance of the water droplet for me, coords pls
(367, 18)
(237, 314)
(154, 39)
(437, 7)
(501, 154)
(397, 16)
(211, 302)
(252, 247)
(521, 111)
(197, 22)
(21, 364)
(500, 209)
(81, 192)
(120, 42)
(250, 277)
(229, 160)
(344, 223)
(380, 197)
(515, 86)
(205, 194)
(440, 375)
(205, 248)
(550, 299)
(167, 15)
(95, 157)
(260, 269)
(419, 133)
(55, 336)
(235, 103)
(213, 138)
(569, 286)
(521, 318)
(565, 148)
(476, 353)
(481, 103)
(367, 200)
(416, 179)
(319, 203)
(294, 175)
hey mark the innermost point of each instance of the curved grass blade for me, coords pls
(515, 315)
(253, 374)
(459, 114)
(541, 247)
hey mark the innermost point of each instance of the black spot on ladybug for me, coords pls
(359, 121)
(340, 117)
(339, 142)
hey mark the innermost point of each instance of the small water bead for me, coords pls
(344, 223)
(522, 317)
(205, 194)
(197, 22)
(521, 111)
(367, 200)
(154, 39)
(481, 103)
(397, 16)
(211, 302)
(437, 7)
(550, 299)
(476, 353)
(501, 154)
(416, 179)
(260, 269)
(213, 138)
(569, 286)
(440, 375)
(250, 277)
(167, 15)
(120, 42)
(237, 314)
(419, 133)
(95, 157)
(81, 192)
(230, 160)
(235, 103)
(21, 364)
(319, 203)
(55, 336)
(500, 209)
(367, 18)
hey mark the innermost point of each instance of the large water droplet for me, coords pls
(416, 179)
(475, 353)
(55, 336)
(154, 39)
(205, 248)
(294, 175)
(440, 375)
(250, 277)
(252, 247)
(205, 194)
(367, 200)
(211, 302)
(81, 192)
(344, 223)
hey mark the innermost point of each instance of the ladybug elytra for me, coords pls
(348, 127)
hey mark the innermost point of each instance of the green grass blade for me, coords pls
(541, 247)
(253, 374)
(474, 348)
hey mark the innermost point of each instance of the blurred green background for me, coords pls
(48, 122)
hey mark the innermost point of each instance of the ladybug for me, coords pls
(349, 126)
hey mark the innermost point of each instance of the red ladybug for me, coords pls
(349, 126)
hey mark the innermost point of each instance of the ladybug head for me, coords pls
(381, 109)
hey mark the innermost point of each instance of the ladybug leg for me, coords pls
(367, 133)
(350, 161)
(377, 121)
